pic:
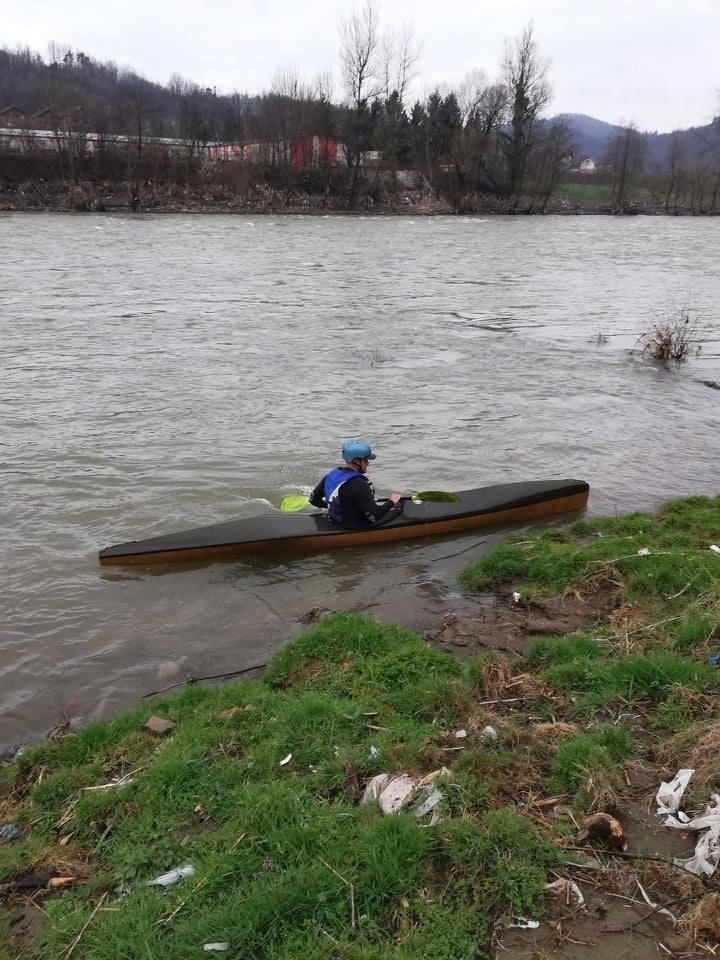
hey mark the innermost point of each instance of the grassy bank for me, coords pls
(287, 863)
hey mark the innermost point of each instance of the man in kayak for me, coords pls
(348, 494)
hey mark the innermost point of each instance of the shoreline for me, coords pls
(125, 197)
(596, 683)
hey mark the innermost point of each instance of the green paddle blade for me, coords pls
(293, 503)
(436, 496)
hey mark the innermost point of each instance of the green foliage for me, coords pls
(549, 650)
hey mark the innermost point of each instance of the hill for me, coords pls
(592, 135)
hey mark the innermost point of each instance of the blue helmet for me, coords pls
(357, 450)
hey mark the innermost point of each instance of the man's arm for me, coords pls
(368, 506)
(317, 497)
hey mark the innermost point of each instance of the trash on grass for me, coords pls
(670, 794)
(704, 861)
(9, 832)
(394, 793)
(523, 923)
(287, 759)
(566, 887)
(216, 947)
(432, 800)
(172, 877)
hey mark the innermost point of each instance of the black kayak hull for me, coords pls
(277, 532)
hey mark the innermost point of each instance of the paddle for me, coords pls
(295, 502)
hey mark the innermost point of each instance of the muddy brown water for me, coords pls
(161, 372)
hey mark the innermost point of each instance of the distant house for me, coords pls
(587, 165)
(12, 116)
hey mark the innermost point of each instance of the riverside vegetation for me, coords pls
(289, 866)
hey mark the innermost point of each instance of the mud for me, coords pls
(506, 626)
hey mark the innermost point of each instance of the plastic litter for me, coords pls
(567, 887)
(644, 552)
(394, 793)
(172, 877)
(523, 923)
(489, 733)
(216, 947)
(715, 548)
(649, 902)
(670, 794)
(9, 832)
(705, 860)
(287, 759)
(432, 800)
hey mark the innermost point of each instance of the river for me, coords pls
(162, 372)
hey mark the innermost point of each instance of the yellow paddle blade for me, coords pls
(293, 503)
(436, 496)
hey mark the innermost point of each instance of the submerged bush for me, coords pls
(670, 338)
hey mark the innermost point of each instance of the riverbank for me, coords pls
(155, 197)
(256, 785)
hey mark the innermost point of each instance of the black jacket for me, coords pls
(359, 507)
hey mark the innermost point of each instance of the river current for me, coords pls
(162, 372)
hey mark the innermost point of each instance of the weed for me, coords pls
(585, 766)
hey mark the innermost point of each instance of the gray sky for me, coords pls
(652, 61)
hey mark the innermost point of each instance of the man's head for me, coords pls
(357, 454)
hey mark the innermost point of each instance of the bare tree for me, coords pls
(525, 74)
(555, 149)
(626, 158)
(359, 50)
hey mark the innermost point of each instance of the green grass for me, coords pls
(584, 191)
(678, 539)
(271, 843)
(589, 753)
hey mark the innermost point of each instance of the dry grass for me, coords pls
(696, 747)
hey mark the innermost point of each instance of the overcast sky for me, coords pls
(656, 62)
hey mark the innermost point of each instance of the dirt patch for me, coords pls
(507, 625)
(26, 920)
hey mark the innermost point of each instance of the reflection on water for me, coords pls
(165, 372)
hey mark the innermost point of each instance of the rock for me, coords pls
(159, 726)
(604, 828)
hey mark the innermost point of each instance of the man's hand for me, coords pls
(395, 498)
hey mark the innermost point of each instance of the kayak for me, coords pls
(277, 532)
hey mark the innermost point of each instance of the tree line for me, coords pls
(488, 137)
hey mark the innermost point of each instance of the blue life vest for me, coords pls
(331, 489)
